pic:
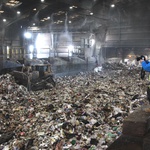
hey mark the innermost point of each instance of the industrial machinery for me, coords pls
(9, 66)
(35, 77)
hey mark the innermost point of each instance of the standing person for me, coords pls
(145, 63)
(145, 68)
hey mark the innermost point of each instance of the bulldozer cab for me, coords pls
(43, 69)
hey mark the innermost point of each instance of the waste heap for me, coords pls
(82, 112)
(113, 66)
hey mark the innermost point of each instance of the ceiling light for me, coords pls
(18, 12)
(91, 13)
(75, 16)
(9, 4)
(112, 5)
(48, 17)
(75, 6)
(59, 21)
(28, 35)
(13, 3)
(34, 9)
(71, 7)
(70, 22)
(4, 20)
(33, 28)
(1, 11)
(33, 24)
(42, 0)
(59, 13)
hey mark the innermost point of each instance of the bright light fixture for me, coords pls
(91, 13)
(18, 12)
(33, 28)
(7, 47)
(4, 20)
(70, 48)
(13, 3)
(71, 7)
(28, 35)
(112, 5)
(1, 11)
(42, 0)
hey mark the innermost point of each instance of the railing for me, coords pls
(15, 53)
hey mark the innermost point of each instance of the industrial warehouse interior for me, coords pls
(74, 75)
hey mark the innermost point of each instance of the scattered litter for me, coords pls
(82, 112)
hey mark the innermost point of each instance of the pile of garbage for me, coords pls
(83, 112)
(114, 66)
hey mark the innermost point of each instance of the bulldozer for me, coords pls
(35, 77)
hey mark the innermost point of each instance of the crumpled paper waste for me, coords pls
(83, 112)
